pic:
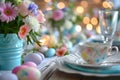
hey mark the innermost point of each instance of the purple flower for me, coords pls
(33, 7)
(58, 15)
(64, 9)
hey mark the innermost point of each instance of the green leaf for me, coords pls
(29, 40)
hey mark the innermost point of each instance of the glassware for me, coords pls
(108, 23)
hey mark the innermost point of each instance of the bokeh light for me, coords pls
(78, 28)
(84, 4)
(61, 5)
(98, 29)
(97, 1)
(89, 27)
(86, 20)
(94, 21)
(107, 4)
(47, 1)
(49, 8)
(79, 9)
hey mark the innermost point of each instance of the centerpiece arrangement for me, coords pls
(20, 21)
(60, 25)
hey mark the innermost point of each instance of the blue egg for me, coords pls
(50, 52)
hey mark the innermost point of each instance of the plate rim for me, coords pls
(89, 65)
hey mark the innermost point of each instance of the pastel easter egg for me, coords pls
(8, 76)
(50, 52)
(16, 69)
(29, 73)
(43, 49)
(36, 58)
(31, 64)
(41, 55)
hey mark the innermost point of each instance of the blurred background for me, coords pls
(81, 17)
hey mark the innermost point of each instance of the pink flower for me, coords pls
(61, 51)
(40, 16)
(23, 9)
(8, 12)
(57, 15)
(23, 32)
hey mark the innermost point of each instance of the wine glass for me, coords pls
(108, 23)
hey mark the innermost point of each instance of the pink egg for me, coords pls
(31, 64)
(16, 69)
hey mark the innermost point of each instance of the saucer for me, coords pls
(76, 68)
(92, 66)
(110, 70)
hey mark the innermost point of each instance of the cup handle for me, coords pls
(116, 50)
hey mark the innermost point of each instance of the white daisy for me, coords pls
(33, 23)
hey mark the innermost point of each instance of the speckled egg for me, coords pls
(30, 64)
(29, 73)
(8, 76)
(36, 58)
(50, 52)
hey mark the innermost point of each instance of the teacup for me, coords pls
(95, 53)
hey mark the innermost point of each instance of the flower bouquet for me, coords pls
(22, 17)
(19, 19)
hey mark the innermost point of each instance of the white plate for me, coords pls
(62, 67)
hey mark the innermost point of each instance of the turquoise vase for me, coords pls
(11, 48)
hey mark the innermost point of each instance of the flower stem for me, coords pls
(60, 35)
